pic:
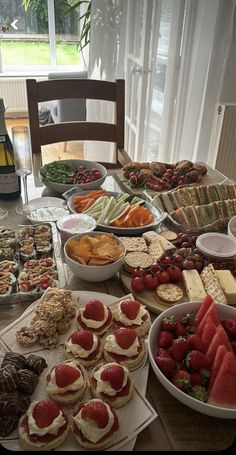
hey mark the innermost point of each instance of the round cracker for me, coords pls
(170, 293)
(169, 235)
(138, 259)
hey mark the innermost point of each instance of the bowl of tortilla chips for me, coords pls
(95, 256)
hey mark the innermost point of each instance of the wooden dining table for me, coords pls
(177, 427)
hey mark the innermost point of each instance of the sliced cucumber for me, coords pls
(124, 210)
(109, 206)
(120, 207)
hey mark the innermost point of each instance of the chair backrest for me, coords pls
(76, 130)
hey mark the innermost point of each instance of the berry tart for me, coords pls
(95, 316)
(132, 314)
(112, 383)
(66, 382)
(44, 426)
(83, 346)
(94, 424)
(124, 347)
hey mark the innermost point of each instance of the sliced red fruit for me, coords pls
(97, 411)
(125, 337)
(208, 332)
(203, 309)
(114, 374)
(66, 375)
(84, 338)
(220, 353)
(223, 392)
(212, 312)
(94, 310)
(130, 308)
(220, 338)
(45, 412)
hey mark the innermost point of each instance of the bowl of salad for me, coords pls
(60, 176)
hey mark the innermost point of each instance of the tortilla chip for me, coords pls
(100, 249)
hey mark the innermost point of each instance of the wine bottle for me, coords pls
(10, 187)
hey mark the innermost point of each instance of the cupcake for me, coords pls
(95, 317)
(43, 427)
(66, 382)
(112, 383)
(94, 424)
(132, 314)
(124, 347)
(83, 346)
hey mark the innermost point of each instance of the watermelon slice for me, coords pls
(212, 312)
(203, 309)
(208, 332)
(220, 353)
(223, 392)
(220, 338)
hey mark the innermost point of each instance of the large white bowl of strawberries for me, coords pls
(192, 350)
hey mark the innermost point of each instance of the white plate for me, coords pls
(43, 202)
(139, 408)
(158, 218)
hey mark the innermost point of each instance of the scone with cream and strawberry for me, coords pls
(132, 314)
(112, 383)
(95, 316)
(84, 346)
(94, 424)
(66, 382)
(44, 426)
(124, 347)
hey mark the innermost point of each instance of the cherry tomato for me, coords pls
(163, 277)
(137, 285)
(154, 268)
(167, 260)
(178, 259)
(150, 282)
(175, 273)
(138, 272)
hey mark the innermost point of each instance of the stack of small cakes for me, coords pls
(132, 314)
(66, 382)
(96, 317)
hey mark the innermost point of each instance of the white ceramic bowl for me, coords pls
(74, 224)
(232, 225)
(94, 273)
(62, 187)
(217, 245)
(224, 312)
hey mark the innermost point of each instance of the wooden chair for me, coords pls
(76, 130)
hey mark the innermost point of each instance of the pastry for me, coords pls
(112, 383)
(125, 347)
(94, 424)
(43, 427)
(132, 314)
(35, 363)
(95, 317)
(66, 382)
(14, 359)
(83, 346)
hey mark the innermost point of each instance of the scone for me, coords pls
(112, 383)
(124, 347)
(44, 426)
(95, 316)
(83, 346)
(132, 314)
(94, 424)
(66, 382)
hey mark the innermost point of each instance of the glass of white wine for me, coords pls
(22, 155)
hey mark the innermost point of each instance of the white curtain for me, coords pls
(106, 62)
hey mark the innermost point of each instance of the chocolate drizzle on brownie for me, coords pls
(35, 364)
(28, 381)
(14, 359)
(9, 379)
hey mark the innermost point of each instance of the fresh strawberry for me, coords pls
(130, 308)
(84, 338)
(233, 344)
(180, 330)
(168, 324)
(199, 392)
(230, 327)
(66, 375)
(94, 310)
(181, 380)
(97, 411)
(180, 348)
(187, 319)
(114, 374)
(195, 378)
(166, 364)
(196, 360)
(125, 337)
(195, 342)
(165, 339)
(163, 352)
(45, 412)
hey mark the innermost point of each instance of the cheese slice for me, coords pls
(193, 284)
(212, 285)
(151, 236)
(228, 285)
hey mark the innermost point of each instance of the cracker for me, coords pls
(156, 250)
(138, 259)
(170, 293)
(149, 236)
(169, 235)
(134, 244)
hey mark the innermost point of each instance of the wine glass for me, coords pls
(22, 155)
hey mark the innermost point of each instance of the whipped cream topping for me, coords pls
(53, 388)
(105, 386)
(78, 351)
(53, 428)
(89, 427)
(91, 322)
(112, 346)
(120, 316)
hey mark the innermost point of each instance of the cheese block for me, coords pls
(212, 285)
(228, 285)
(193, 284)
(151, 236)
